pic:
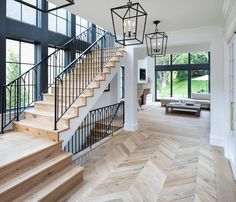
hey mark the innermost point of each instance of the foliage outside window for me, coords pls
(182, 73)
(199, 58)
(180, 84)
(179, 58)
(59, 20)
(163, 60)
(163, 84)
(20, 58)
(200, 81)
(22, 13)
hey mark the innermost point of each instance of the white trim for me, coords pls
(131, 127)
(233, 167)
(215, 141)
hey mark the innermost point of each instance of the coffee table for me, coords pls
(184, 107)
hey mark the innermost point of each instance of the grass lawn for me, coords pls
(180, 89)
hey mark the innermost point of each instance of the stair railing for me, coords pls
(68, 86)
(118, 114)
(22, 92)
(97, 125)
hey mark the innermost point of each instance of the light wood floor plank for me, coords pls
(167, 159)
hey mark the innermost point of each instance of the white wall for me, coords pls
(229, 29)
(208, 39)
(230, 140)
(109, 97)
(229, 18)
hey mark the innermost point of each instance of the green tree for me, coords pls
(13, 71)
(181, 58)
(199, 58)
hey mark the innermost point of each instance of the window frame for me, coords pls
(37, 13)
(67, 19)
(122, 84)
(20, 63)
(182, 67)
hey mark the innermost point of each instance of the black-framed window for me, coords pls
(22, 13)
(20, 57)
(59, 20)
(181, 74)
(122, 82)
(81, 25)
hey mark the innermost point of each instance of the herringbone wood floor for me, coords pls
(168, 159)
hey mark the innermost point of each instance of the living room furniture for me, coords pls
(201, 98)
(183, 107)
(198, 98)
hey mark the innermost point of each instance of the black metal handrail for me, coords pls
(69, 86)
(97, 125)
(22, 92)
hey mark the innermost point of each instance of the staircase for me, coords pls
(35, 169)
(39, 120)
(45, 174)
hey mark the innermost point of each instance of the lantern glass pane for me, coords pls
(129, 24)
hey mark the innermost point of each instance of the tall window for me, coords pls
(81, 25)
(163, 83)
(20, 58)
(21, 12)
(181, 74)
(59, 20)
(122, 82)
(56, 64)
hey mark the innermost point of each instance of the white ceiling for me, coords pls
(174, 14)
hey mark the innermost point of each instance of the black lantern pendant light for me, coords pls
(129, 23)
(156, 42)
(44, 7)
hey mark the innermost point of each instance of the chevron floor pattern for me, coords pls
(168, 159)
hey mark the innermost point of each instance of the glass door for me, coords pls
(163, 84)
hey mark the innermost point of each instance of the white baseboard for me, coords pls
(215, 141)
(131, 127)
(233, 167)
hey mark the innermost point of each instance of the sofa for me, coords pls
(199, 98)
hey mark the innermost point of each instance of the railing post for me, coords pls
(55, 105)
(3, 108)
(18, 98)
(123, 106)
(102, 55)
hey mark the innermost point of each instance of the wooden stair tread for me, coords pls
(40, 191)
(16, 145)
(41, 126)
(17, 178)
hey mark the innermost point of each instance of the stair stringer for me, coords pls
(74, 123)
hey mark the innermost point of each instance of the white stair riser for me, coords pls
(74, 111)
(34, 131)
(46, 119)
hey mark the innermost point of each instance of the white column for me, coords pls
(218, 115)
(151, 75)
(130, 90)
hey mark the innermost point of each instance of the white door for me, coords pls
(231, 140)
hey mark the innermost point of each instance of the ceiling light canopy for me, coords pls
(44, 8)
(129, 23)
(156, 42)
